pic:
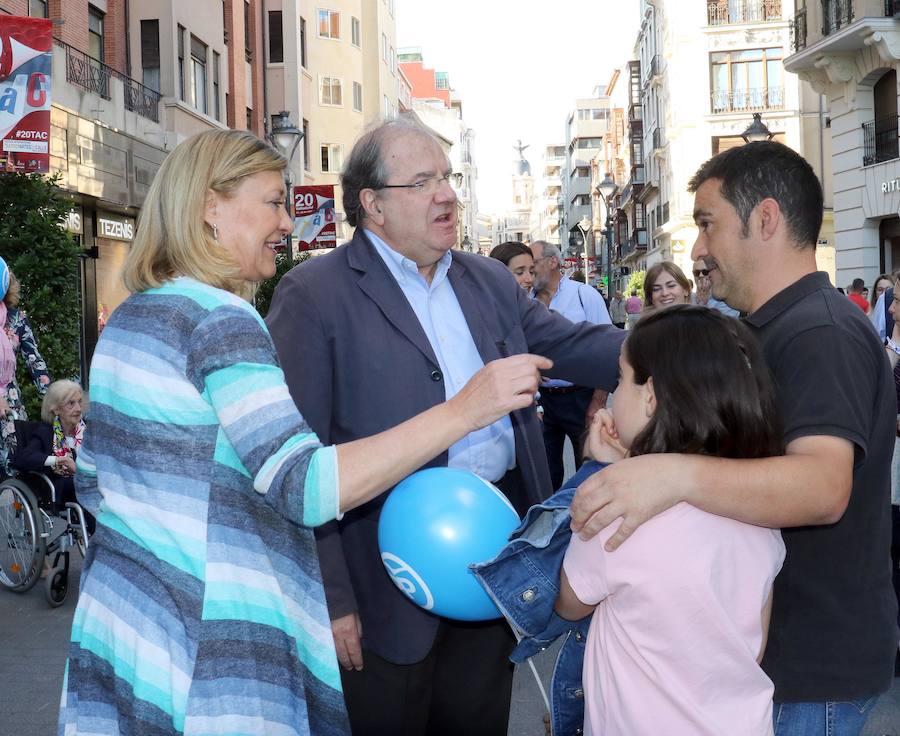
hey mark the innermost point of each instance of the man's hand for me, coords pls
(347, 631)
(500, 387)
(636, 489)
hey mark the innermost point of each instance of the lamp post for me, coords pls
(584, 225)
(757, 131)
(285, 137)
(606, 189)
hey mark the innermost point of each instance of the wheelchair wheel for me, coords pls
(56, 584)
(22, 540)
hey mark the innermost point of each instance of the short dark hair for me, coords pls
(365, 167)
(757, 171)
(505, 252)
(858, 285)
(714, 393)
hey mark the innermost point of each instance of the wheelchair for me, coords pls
(35, 526)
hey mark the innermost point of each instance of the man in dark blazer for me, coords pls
(373, 333)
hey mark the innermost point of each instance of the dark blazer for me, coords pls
(357, 362)
(31, 457)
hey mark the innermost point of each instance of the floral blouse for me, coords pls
(18, 329)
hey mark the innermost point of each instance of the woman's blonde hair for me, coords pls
(58, 393)
(172, 236)
(11, 297)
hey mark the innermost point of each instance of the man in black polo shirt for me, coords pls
(833, 634)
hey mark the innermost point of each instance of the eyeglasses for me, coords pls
(429, 185)
(701, 272)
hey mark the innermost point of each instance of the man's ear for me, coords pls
(769, 216)
(649, 397)
(368, 198)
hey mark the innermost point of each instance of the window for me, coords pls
(355, 32)
(306, 162)
(393, 61)
(248, 48)
(593, 114)
(95, 33)
(249, 119)
(582, 172)
(38, 9)
(391, 7)
(216, 104)
(386, 108)
(276, 38)
(746, 80)
(181, 63)
(303, 42)
(384, 47)
(332, 157)
(150, 54)
(329, 24)
(441, 80)
(590, 142)
(582, 199)
(357, 97)
(198, 75)
(330, 91)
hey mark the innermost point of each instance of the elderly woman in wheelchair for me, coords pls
(40, 518)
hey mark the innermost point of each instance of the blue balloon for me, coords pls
(434, 524)
(4, 278)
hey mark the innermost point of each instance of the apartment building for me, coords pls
(334, 69)
(585, 127)
(849, 51)
(725, 60)
(548, 204)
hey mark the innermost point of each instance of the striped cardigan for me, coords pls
(202, 609)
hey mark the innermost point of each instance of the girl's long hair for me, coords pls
(714, 393)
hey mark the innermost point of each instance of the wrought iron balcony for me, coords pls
(798, 30)
(747, 100)
(835, 15)
(94, 76)
(880, 140)
(728, 12)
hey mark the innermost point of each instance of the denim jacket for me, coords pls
(523, 580)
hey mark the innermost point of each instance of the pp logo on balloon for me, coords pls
(408, 580)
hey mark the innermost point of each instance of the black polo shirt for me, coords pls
(833, 634)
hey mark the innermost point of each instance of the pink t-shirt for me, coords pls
(673, 643)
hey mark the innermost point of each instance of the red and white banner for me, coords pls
(314, 225)
(26, 58)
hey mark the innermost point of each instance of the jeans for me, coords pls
(838, 718)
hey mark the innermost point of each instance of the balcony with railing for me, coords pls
(94, 76)
(747, 100)
(798, 30)
(836, 14)
(880, 140)
(729, 12)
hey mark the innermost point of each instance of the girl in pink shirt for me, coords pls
(681, 610)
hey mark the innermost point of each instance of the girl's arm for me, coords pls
(567, 603)
(33, 359)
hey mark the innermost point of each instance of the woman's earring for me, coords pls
(215, 233)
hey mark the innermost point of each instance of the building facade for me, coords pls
(548, 205)
(725, 59)
(849, 51)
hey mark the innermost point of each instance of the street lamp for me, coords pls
(606, 189)
(286, 136)
(757, 131)
(584, 225)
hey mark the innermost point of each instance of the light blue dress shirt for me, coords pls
(487, 452)
(577, 302)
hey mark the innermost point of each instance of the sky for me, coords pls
(518, 68)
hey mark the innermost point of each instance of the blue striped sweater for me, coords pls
(202, 609)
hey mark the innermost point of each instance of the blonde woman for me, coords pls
(16, 340)
(201, 607)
